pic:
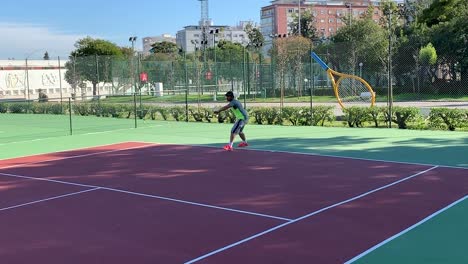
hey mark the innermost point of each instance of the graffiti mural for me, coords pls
(15, 80)
(49, 79)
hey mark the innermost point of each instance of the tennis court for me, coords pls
(167, 193)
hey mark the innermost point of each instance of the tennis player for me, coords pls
(241, 120)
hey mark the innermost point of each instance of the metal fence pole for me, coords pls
(60, 82)
(70, 115)
(390, 88)
(186, 87)
(135, 108)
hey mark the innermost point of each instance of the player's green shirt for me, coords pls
(238, 110)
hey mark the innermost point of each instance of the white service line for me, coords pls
(150, 196)
(405, 231)
(307, 216)
(48, 199)
(77, 156)
(198, 204)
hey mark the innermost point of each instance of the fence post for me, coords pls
(311, 85)
(186, 87)
(70, 115)
(60, 83)
(135, 107)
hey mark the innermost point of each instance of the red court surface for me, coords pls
(142, 203)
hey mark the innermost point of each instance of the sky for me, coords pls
(28, 28)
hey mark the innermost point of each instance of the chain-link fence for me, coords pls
(285, 77)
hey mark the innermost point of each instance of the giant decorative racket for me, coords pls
(349, 89)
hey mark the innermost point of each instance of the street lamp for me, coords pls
(132, 40)
(299, 21)
(27, 71)
(214, 32)
(350, 7)
(360, 69)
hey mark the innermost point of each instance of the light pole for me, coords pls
(132, 40)
(350, 12)
(360, 69)
(214, 32)
(27, 71)
(299, 21)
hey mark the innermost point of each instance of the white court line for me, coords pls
(405, 231)
(312, 154)
(66, 136)
(48, 199)
(150, 196)
(77, 156)
(109, 131)
(306, 216)
(198, 204)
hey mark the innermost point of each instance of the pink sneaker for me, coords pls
(243, 145)
(227, 147)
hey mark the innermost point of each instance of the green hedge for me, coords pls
(403, 117)
(448, 118)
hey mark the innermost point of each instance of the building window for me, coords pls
(330, 20)
(322, 20)
(290, 10)
(322, 12)
(338, 20)
(330, 29)
(196, 35)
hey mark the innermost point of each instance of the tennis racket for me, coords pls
(349, 89)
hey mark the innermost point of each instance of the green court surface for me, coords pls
(441, 239)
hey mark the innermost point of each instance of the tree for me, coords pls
(427, 58)
(363, 41)
(442, 11)
(164, 47)
(91, 61)
(428, 55)
(308, 29)
(289, 55)
(256, 38)
(46, 56)
(447, 30)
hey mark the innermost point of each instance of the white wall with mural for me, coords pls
(18, 81)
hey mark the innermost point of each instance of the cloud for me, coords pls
(22, 40)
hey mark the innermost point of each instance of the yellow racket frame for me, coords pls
(336, 83)
(331, 74)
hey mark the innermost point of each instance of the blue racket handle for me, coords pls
(320, 61)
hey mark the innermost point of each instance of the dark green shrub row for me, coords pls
(378, 116)
(448, 118)
(407, 117)
(33, 108)
(404, 117)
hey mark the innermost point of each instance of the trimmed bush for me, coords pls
(356, 115)
(377, 115)
(448, 118)
(18, 108)
(82, 109)
(322, 114)
(178, 113)
(3, 108)
(403, 115)
(292, 114)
